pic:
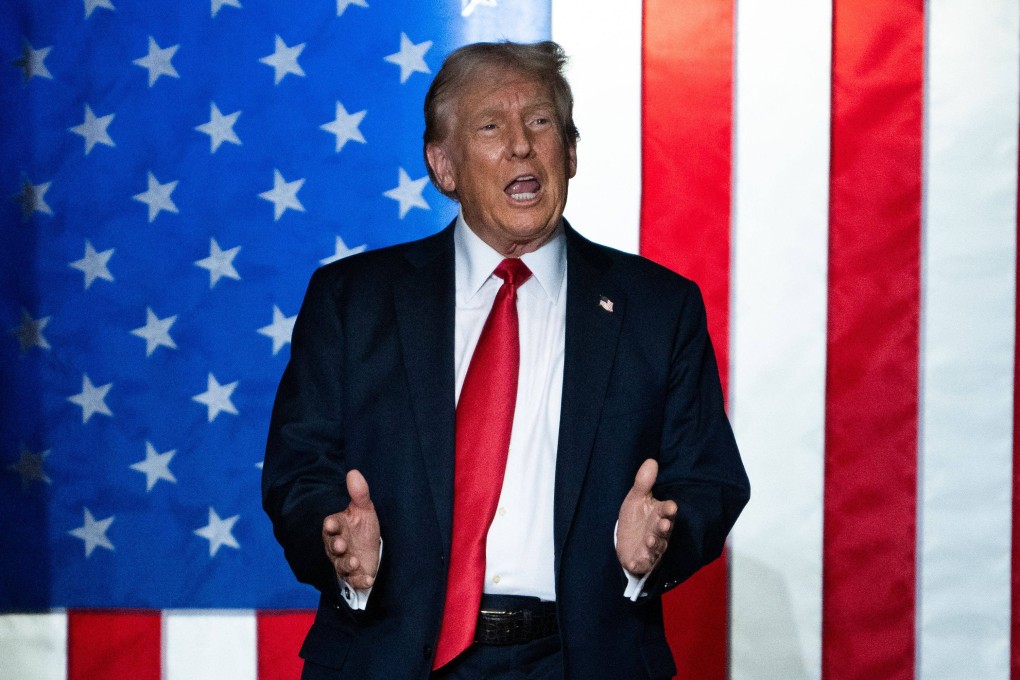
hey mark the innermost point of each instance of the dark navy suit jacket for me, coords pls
(370, 385)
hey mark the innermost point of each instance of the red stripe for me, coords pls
(687, 131)
(280, 634)
(873, 335)
(113, 645)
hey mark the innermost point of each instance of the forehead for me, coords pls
(492, 90)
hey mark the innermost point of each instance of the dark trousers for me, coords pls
(537, 660)
(540, 659)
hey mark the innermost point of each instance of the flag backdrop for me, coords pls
(840, 178)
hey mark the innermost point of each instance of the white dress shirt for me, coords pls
(519, 547)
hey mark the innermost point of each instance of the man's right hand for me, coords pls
(351, 537)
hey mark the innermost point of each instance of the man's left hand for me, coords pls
(645, 523)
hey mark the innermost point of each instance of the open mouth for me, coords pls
(523, 188)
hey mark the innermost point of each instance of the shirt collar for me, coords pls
(475, 261)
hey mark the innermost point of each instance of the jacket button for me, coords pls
(426, 652)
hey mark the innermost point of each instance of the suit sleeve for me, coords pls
(303, 476)
(699, 465)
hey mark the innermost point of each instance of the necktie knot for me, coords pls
(513, 271)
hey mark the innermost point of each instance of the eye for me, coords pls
(489, 126)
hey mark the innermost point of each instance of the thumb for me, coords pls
(645, 477)
(357, 489)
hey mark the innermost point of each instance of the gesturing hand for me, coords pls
(645, 523)
(351, 537)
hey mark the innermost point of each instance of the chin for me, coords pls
(531, 221)
(528, 231)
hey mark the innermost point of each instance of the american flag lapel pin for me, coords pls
(606, 304)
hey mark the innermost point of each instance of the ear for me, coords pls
(571, 160)
(441, 166)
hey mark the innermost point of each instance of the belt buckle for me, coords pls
(499, 628)
(503, 627)
(495, 612)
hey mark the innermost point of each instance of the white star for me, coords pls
(32, 62)
(33, 198)
(283, 195)
(31, 467)
(467, 7)
(156, 466)
(157, 197)
(342, 5)
(220, 263)
(217, 397)
(92, 399)
(410, 58)
(93, 532)
(156, 332)
(220, 128)
(92, 5)
(219, 532)
(29, 332)
(218, 4)
(342, 251)
(93, 264)
(94, 129)
(157, 61)
(345, 127)
(408, 193)
(280, 330)
(284, 60)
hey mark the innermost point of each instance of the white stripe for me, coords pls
(603, 41)
(968, 329)
(33, 646)
(777, 388)
(209, 645)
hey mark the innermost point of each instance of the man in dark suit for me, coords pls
(495, 448)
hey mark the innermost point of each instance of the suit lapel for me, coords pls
(425, 316)
(592, 331)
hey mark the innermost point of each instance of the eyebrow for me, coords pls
(541, 106)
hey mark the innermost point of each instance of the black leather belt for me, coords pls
(513, 620)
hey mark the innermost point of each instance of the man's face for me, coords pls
(505, 156)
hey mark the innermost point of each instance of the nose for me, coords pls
(519, 140)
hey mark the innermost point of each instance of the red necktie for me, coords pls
(485, 416)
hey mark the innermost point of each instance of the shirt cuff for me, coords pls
(635, 584)
(357, 598)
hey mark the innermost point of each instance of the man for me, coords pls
(495, 448)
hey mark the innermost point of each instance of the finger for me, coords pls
(357, 489)
(352, 564)
(668, 509)
(338, 545)
(663, 527)
(360, 581)
(640, 567)
(655, 546)
(344, 568)
(645, 477)
(331, 525)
